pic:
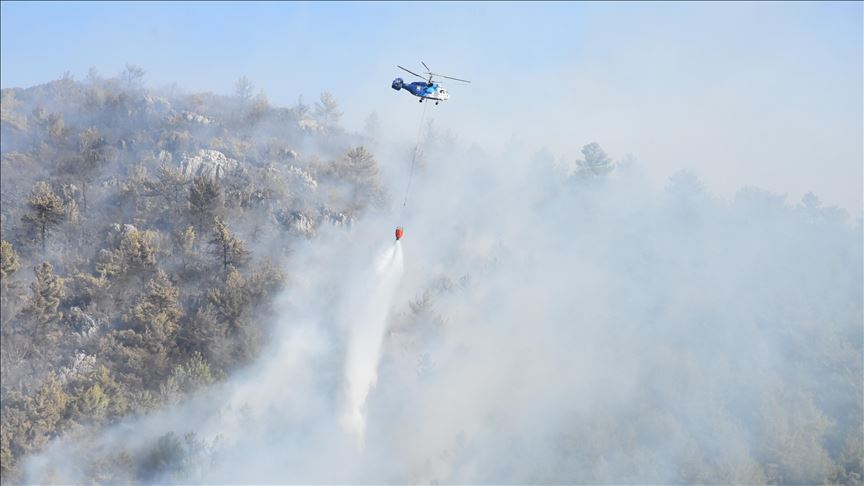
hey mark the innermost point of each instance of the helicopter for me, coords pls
(425, 90)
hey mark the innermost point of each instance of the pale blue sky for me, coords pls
(766, 94)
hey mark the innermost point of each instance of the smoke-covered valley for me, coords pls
(205, 289)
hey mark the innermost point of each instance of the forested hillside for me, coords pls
(172, 313)
(135, 225)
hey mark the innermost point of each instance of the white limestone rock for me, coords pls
(205, 162)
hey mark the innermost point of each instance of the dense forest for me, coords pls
(562, 322)
(134, 224)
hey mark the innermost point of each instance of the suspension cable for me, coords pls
(413, 160)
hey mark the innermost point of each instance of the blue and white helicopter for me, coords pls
(425, 90)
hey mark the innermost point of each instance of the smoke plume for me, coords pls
(551, 326)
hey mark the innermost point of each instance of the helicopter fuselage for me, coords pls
(422, 90)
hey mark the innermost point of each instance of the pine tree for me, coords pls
(46, 410)
(360, 168)
(9, 261)
(596, 163)
(46, 211)
(132, 76)
(186, 378)
(48, 291)
(170, 184)
(230, 249)
(327, 110)
(243, 89)
(205, 198)
(158, 312)
(135, 254)
(232, 300)
(93, 152)
(234, 304)
(10, 290)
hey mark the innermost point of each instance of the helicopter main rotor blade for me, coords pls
(448, 77)
(427, 67)
(412, 72)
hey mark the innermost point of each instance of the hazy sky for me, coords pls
(765, 94)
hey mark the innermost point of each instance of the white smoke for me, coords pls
(545, 330)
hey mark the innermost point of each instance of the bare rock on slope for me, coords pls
(212, 163)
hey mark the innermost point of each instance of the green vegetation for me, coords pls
(572, 327)
(147, 226)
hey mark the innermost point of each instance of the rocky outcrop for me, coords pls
(297, 223)
(157, 105)
(337, 218)
(211, 163)
(191, 116)
(310, 125)
(299, 175)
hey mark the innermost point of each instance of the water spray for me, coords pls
(369, 323)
